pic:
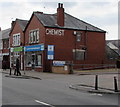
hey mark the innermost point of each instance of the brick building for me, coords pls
(17, 42)
(4, 49)
(0, 48)
(61, 37)
(113, 49)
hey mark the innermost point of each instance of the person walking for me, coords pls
(18, 67)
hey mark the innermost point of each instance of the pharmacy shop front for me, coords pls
(33, 57)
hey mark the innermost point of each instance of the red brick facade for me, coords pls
(5, 53)
(16, 29)
(65, 40)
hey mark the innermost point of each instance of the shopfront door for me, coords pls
(33, 61)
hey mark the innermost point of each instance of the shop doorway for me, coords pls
(33, 61)
(5, 62)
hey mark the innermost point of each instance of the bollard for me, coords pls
(10, 71)
(96, 82)
(115, 85)
(71, 69)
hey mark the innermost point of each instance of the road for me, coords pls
(50, 92)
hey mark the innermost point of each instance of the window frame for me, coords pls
(16, 39)
(34, 36)
(76, 53)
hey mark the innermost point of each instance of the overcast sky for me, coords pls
(100, 13)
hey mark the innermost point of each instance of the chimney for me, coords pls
(12, 24)
(60, 15)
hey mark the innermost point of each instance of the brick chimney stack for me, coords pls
(12, 24)
(60, 15)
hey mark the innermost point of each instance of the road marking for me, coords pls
(97, 94)
(43, 103)
(100, 94)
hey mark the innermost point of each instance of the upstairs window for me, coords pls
(16, 39)
(78, 38)
(34, 36)
(5, 44)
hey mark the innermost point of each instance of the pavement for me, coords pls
(80, 80)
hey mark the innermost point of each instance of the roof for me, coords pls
(50, 20)
(22, 23)
(115, 42)
(114, 45)
(5, 33)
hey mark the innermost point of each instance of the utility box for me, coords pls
(60, 67)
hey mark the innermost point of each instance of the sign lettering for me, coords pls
(55, 32)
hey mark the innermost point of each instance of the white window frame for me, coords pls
(16, 39)
(37, 38)
(34, 36)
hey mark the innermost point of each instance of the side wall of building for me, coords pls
(93, 42)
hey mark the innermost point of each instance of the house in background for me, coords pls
(5, 49)
(113, 49)
(17, 42)
(0, 48)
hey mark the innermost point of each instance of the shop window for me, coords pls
(34, 36)
(28, 60)
(38, 60)
(33, 59)
(16, 55)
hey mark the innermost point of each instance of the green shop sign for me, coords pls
(18, 49)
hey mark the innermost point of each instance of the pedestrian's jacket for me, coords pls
(17, 64)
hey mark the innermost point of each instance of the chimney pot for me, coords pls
(59, 5)
(60, 15)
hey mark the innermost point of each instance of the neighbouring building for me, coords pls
(113, 49)
(5, 48)
(61, 37)
(0, 48)
(17, 42)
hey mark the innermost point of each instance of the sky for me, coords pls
(100, 13)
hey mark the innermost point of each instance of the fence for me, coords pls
(93, 66)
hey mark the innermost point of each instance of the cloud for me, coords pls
(103, 14)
